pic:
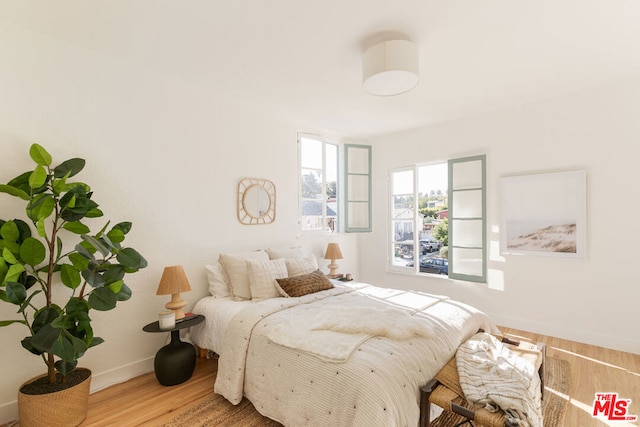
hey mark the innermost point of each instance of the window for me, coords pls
(318, 184)
(331, 201)
(438, 221)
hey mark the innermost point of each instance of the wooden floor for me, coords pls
(143, 402)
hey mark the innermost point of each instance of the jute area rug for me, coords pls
(217, 411)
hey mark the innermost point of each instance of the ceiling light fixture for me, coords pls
(390, 68)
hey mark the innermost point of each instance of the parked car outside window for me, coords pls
(434, 265)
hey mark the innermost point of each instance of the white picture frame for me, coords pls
(544, 214)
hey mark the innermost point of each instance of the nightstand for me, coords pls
(174, 363)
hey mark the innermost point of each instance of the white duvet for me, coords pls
(377, 384)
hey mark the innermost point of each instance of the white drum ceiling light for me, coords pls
(390, 68)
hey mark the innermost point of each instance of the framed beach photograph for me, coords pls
(544, 214)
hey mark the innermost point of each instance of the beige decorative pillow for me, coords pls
(262, 277)
(235, 267)
(218, 284)
(302, 285)
(299, 266)
(296, 252)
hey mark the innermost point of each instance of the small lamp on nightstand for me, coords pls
(174, 281)
(333, 253)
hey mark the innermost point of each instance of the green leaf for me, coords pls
(40, 155)
(26, 343)
(93, 278)
(16, 293)
(8, 256)
(38, 177)
(41, 207)
(102, 299)
(105, 251)
(71, 167)
(9, 322)
(41, 228)
(79, 261)
(14, 191)
(14, 272)
(70, 276)
(9, 231)
(68, 347)
(130, 258)
(113, 273)
(124, 294)
(95, 341)
(32, 251)
(115, 287)
(94, 213)
(125, 227)
(22, 182)
(45, 316)
(65, 367)
(116, 235)
(76, 227)
(85, 252)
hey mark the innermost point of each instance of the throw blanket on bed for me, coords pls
(493, 375)
(336, 332)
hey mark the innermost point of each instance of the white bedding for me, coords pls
(378, 385)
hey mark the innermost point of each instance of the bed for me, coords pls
(348, 354)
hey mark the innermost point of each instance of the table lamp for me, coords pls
(174, 281)
(333, 253)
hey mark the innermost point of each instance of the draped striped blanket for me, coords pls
(493, 375)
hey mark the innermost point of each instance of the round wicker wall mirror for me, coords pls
(256, 201)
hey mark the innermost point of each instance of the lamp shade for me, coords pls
(333, 251)
(390, 68)
(173, 281)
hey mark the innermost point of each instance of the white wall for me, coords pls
(594, 300)
(160, 153)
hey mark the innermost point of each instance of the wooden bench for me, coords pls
(444, 390)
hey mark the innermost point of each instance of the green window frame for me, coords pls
(357, 184)
(467, 228)
(468, 219)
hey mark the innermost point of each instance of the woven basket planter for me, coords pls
(63, 408)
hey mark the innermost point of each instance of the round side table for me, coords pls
(174, 363)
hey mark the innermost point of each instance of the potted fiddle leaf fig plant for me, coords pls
(55, 270)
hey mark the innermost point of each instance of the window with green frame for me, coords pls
(441, 230)
(333, 199)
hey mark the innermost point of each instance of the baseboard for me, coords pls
(121, 374)
(99, 381)
(586, 337)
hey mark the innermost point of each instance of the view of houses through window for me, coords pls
(318, 182)
(420, 227)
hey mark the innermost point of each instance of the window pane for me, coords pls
(311, 184)
(402, 182)
(310, 153)
(358, 160)
(358, 186)
(467, 204)
(467, 175)
(358, 214)
(467, 233)
(466, 261)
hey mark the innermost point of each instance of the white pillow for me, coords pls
(300, 266)
(262, 277)
(295, 252)
(218, 284)
(235, 268)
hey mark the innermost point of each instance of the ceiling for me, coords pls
(303, 58)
